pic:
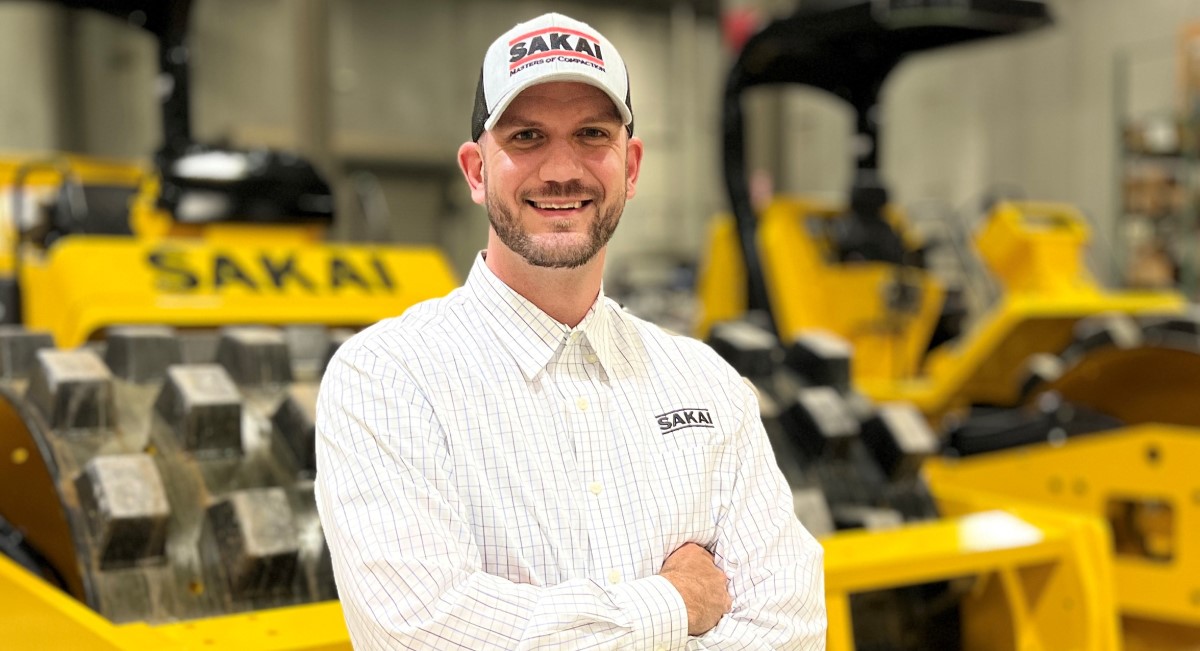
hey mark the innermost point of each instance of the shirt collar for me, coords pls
(530, 335)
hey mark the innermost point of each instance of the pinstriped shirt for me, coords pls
(489, 478)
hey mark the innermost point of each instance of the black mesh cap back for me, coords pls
(628, 103)
(480, 114)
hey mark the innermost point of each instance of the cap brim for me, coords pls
(502, 105)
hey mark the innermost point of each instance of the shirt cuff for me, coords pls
(660, 616)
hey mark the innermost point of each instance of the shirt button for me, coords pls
(614, 577)
(582, 403)
(595, 487)
(592, 359)
(575, 336)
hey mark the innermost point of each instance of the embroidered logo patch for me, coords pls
(683, 418)
(557, 44)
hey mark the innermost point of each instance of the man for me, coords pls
(522, 465)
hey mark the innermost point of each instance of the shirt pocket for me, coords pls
(692, 485)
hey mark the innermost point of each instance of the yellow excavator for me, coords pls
(1063, 398)
(165, 326)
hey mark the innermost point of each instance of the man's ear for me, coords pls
(633, 165)
(470, 161)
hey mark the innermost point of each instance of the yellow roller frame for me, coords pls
(1034, 250)
(1042, 580)
(809, 290)
(1148, 471)
(196, 275)
(37, 616)
(83, 284)
(38, 175)
(1042, 583)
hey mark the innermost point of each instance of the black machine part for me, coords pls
(167, 21)
(255, 186)
(848, 48)
(205, 184)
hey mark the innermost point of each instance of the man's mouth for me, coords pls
(559, 205)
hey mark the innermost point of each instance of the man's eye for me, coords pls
(525, 135)
(592, 132)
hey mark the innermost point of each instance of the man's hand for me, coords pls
(703, 586)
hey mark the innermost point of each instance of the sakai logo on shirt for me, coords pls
(682, 418)
(554, 44)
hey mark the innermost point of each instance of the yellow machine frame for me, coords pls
(1041, 583)
(38, 176)
(809, 292)
(1033, 249)
(1042, 580)
(198, 275)
(1141, 479)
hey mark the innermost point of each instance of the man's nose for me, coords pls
(561, 162)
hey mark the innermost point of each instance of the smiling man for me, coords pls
(523, 465)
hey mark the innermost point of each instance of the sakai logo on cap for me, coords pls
(567, 44)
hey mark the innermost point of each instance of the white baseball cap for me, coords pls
(551, 47)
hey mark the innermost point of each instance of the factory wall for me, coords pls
(1033, 116)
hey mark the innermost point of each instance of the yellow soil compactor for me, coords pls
(896, 414)
(167, 324)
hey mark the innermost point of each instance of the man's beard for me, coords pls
(508, 228)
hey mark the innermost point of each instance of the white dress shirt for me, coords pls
(489, 478)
